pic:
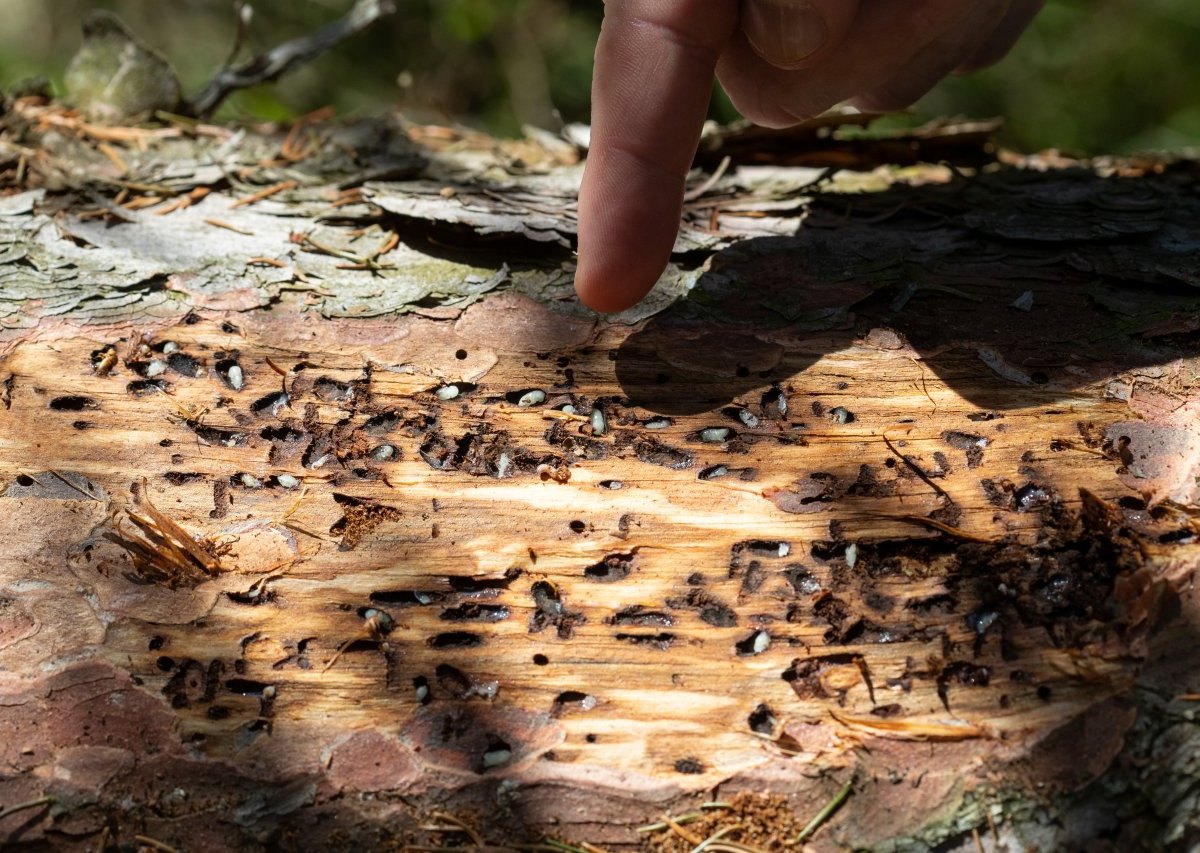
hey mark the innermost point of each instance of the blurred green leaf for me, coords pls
(1090, 76)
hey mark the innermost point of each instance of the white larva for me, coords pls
(762, 642)
(496, 757)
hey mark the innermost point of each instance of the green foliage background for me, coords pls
(1091, 76)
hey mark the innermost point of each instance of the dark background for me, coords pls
(1091, 76)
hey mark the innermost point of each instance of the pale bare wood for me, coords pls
(667, 702)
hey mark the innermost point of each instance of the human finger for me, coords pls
(910, 82)
(650, 92)
(796, 33)
(885, 36)
(1020, 14)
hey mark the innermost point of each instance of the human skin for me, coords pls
(781, 62)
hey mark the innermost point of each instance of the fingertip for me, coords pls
(628, 221)
(607, 292)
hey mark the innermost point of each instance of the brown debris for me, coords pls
(359, 519)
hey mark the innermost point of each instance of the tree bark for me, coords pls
(329, 518)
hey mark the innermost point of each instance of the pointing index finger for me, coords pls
(650, 92)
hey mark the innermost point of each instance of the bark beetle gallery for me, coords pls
(883, 503)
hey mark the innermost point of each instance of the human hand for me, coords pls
(780, 61)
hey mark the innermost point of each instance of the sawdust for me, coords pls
(763, 821)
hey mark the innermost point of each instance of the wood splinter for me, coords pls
(162, 551)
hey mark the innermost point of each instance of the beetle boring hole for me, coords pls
(157, 642)
(246, 686)
(690, 765)
(421, 688)
(329, 390)
(73, 403)
(546, 597)
(540, 660)
(614, 567)
(661, 641)
(407, 596)
(572, 700)
(185, 365)
(526, 397)
(460, 354)
(230, 373)
(281, 433)
(474, 612)
(762, 720)
(381, 622)
(578, 526)
(643, 617)
(453, 681)
(142, 387)
(382, 424)
(755, 644)
(24, 480)
(497, 754)
(455, 640)
(178, 478)
(270, 405)
(468, 584)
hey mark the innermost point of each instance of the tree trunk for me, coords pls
(330, 519)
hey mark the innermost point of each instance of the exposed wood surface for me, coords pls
(826, 534)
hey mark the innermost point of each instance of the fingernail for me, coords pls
(783, 32)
